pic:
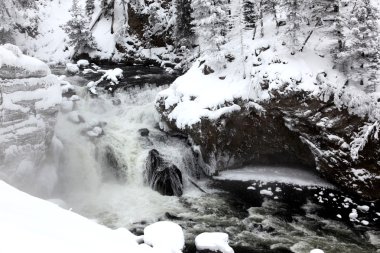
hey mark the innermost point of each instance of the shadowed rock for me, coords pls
(162, 176)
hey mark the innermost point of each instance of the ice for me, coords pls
(364, 222)
(274, 174)
(165, 237)
(214, 241)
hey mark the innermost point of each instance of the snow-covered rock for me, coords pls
(165, 237)
(71, 68)
(14, 64)
(29, 103)
(83, 63)
(214, 241)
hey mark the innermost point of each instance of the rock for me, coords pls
(29, 104)
(207, 70)
(15, 65)
(72, 69)
(213, 242)
(162, 176)
(83, 63)
(144, 132)
(292, 128)
(118, 169)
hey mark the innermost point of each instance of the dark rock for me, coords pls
(207, 70)
(293, 128)
(144, 132)
(230, 57)
(163, 176)
(117, 169)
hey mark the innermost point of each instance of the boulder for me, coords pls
(163, 176)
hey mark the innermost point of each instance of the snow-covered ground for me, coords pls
(29, 224)
(268, 174)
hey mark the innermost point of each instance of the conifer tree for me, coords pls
(90, 6)
(78, 31)
(183, 32)
(210, 19)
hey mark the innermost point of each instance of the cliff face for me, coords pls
(30, 96)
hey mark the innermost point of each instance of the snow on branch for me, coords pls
(360, 141)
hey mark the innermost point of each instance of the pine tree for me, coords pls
(294, 18)
(90, 6)
(251, 15)
(78, 31)
(362, 44)
(183, 32)
(210, 19)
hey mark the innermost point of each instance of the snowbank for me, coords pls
(44, 227)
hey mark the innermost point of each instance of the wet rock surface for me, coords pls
(291, 128)
(163, 176)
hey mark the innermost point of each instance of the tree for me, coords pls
(17, 15)
(294, 19)
(78, 31)
(183, 32)
(210, 19)
(362, 44)
(251, 15)
(90, 6)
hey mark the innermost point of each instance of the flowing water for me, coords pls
(102, 179)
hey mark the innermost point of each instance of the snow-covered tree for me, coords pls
(358, 44)
(294, 19)
(210, 19)
(17, 15)
(78, 31)
(90, 6)
(251, 15)
(183, 32)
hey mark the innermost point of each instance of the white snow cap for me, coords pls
(165, 237)
(214, 241)
(11, 55)
(83, 63)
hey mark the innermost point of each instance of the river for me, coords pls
(102, 179)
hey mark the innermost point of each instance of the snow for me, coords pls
(266, 192)
(45, 227)
(12, 56)
(42, 227)
(363, 208)
(316, 251)
(214, 241)
(165, 237)
(72, 68)
(274, 174)
(353, 215)
(83, 63)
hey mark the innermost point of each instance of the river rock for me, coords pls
(292, 128)
(29, 103)
(163, 176)
(144, 132)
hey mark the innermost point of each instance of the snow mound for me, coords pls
(214, 241)
(165, 237)
(14, 64)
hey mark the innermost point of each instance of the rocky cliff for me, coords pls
(29, 100)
